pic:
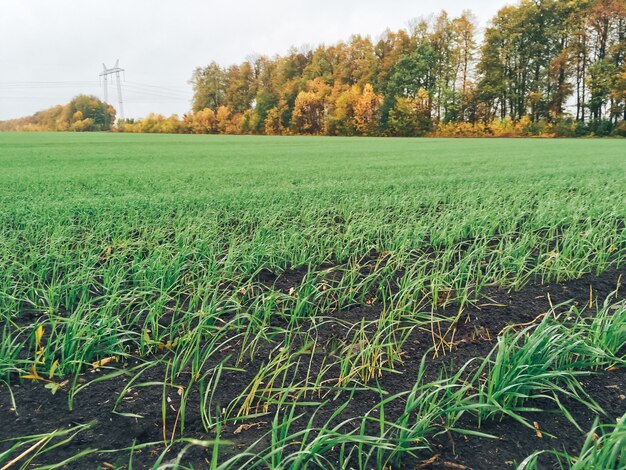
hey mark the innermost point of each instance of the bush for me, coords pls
(600, 127)
(620, 130)
(565, 127)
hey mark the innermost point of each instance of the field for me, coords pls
(257, 302)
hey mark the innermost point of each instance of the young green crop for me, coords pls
(128, 255)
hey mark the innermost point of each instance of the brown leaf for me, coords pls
(33, 374)
(103, 362)
(245, 427)
(106, 254)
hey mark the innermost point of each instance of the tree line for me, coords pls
(541, 67)
(82, 114)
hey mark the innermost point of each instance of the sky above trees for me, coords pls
(52, 51)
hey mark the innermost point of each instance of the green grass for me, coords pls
(147, 248)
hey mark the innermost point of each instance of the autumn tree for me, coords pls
(341, 121)
(309, 111)
(204, 122)
(241, 87)
(209, 87)
(223, 119)
(367, 111)
(275, 120)
(465, 29)
(410, 116)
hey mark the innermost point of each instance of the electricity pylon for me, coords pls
(105, 74)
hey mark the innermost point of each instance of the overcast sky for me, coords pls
(52, 50)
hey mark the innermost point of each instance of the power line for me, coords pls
(136, 89)
(171, 89)
(134, 92)
(25, 97)
(66, 82)
(143, 88)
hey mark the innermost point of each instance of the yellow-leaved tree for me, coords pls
(367, 111)
(204, 122)
(309, 112)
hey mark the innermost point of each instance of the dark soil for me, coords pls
(39, 411)
(516, 442)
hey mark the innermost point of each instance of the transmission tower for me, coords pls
(105, 75)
